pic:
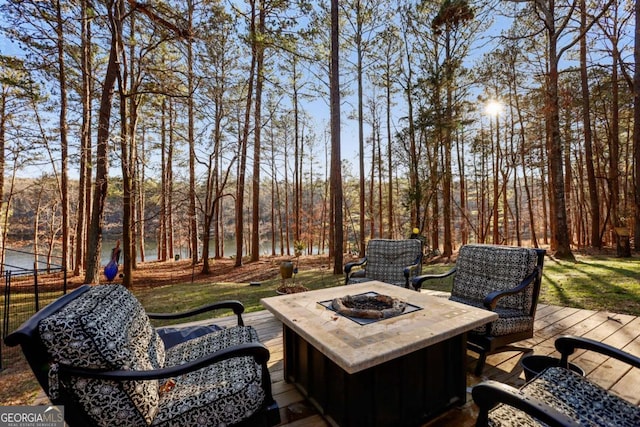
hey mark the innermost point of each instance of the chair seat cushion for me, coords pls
(210, 343)
(218, 395)
(510, 321)
(573, 395)
(175, 335)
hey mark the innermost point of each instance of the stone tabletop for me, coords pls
(356, 347)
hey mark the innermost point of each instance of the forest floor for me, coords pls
(156, 273)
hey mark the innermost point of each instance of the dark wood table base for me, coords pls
(405, 391)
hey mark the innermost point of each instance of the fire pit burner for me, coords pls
(368, 306)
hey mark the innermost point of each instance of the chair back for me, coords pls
(387, 259)
(28, 337)
(483, 269)
(85, 331)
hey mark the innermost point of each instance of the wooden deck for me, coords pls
(622, 331)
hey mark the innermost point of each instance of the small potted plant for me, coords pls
(287, 272)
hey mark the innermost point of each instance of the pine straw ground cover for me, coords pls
(597, 281)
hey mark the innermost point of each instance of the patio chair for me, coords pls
(390, 261)
(558, 396)
(95, 352)
(498, 278)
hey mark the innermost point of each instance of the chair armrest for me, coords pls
(418, 280)
(234, 305)
(411, 268)
(567, 345)
(408, 270)
(351, 265)
(256, 350)
(491, 300)
(490, 393)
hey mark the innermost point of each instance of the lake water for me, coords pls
(23, 258)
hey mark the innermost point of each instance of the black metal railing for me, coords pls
(25, 292)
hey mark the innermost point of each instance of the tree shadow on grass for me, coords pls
(606, 283)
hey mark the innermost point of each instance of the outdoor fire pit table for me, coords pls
(396, 371)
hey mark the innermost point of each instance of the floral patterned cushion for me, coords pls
(482, 269)
(106, 327)
(387, 259)
(218, 395)
(574, 396)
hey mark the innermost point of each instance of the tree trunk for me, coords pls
(495, 155)
(164, 184)
(614, 146)
(390, 228)
(170, 252)
(359, 68)
(214, 188)
(273, 199)
(372, 183)
(193, 217)
(594, 202)
(64, 145)
(36, 227)
(84, 185)
(115, 11)
(257, 126)
(636, 125)
(447, 249)
(415, 191)
(244, 138)
(523, 150)
(464, 214)
(297, 179)
(128, 113)
(380, 167)
(568, 175)
(140, 196)
(284, 241)
(127, 195)
(558, 207)
(125, 168)
(336, 164)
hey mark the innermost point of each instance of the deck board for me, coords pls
(622, 331)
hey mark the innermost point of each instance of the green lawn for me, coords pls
(180, 297)
(593, 282)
